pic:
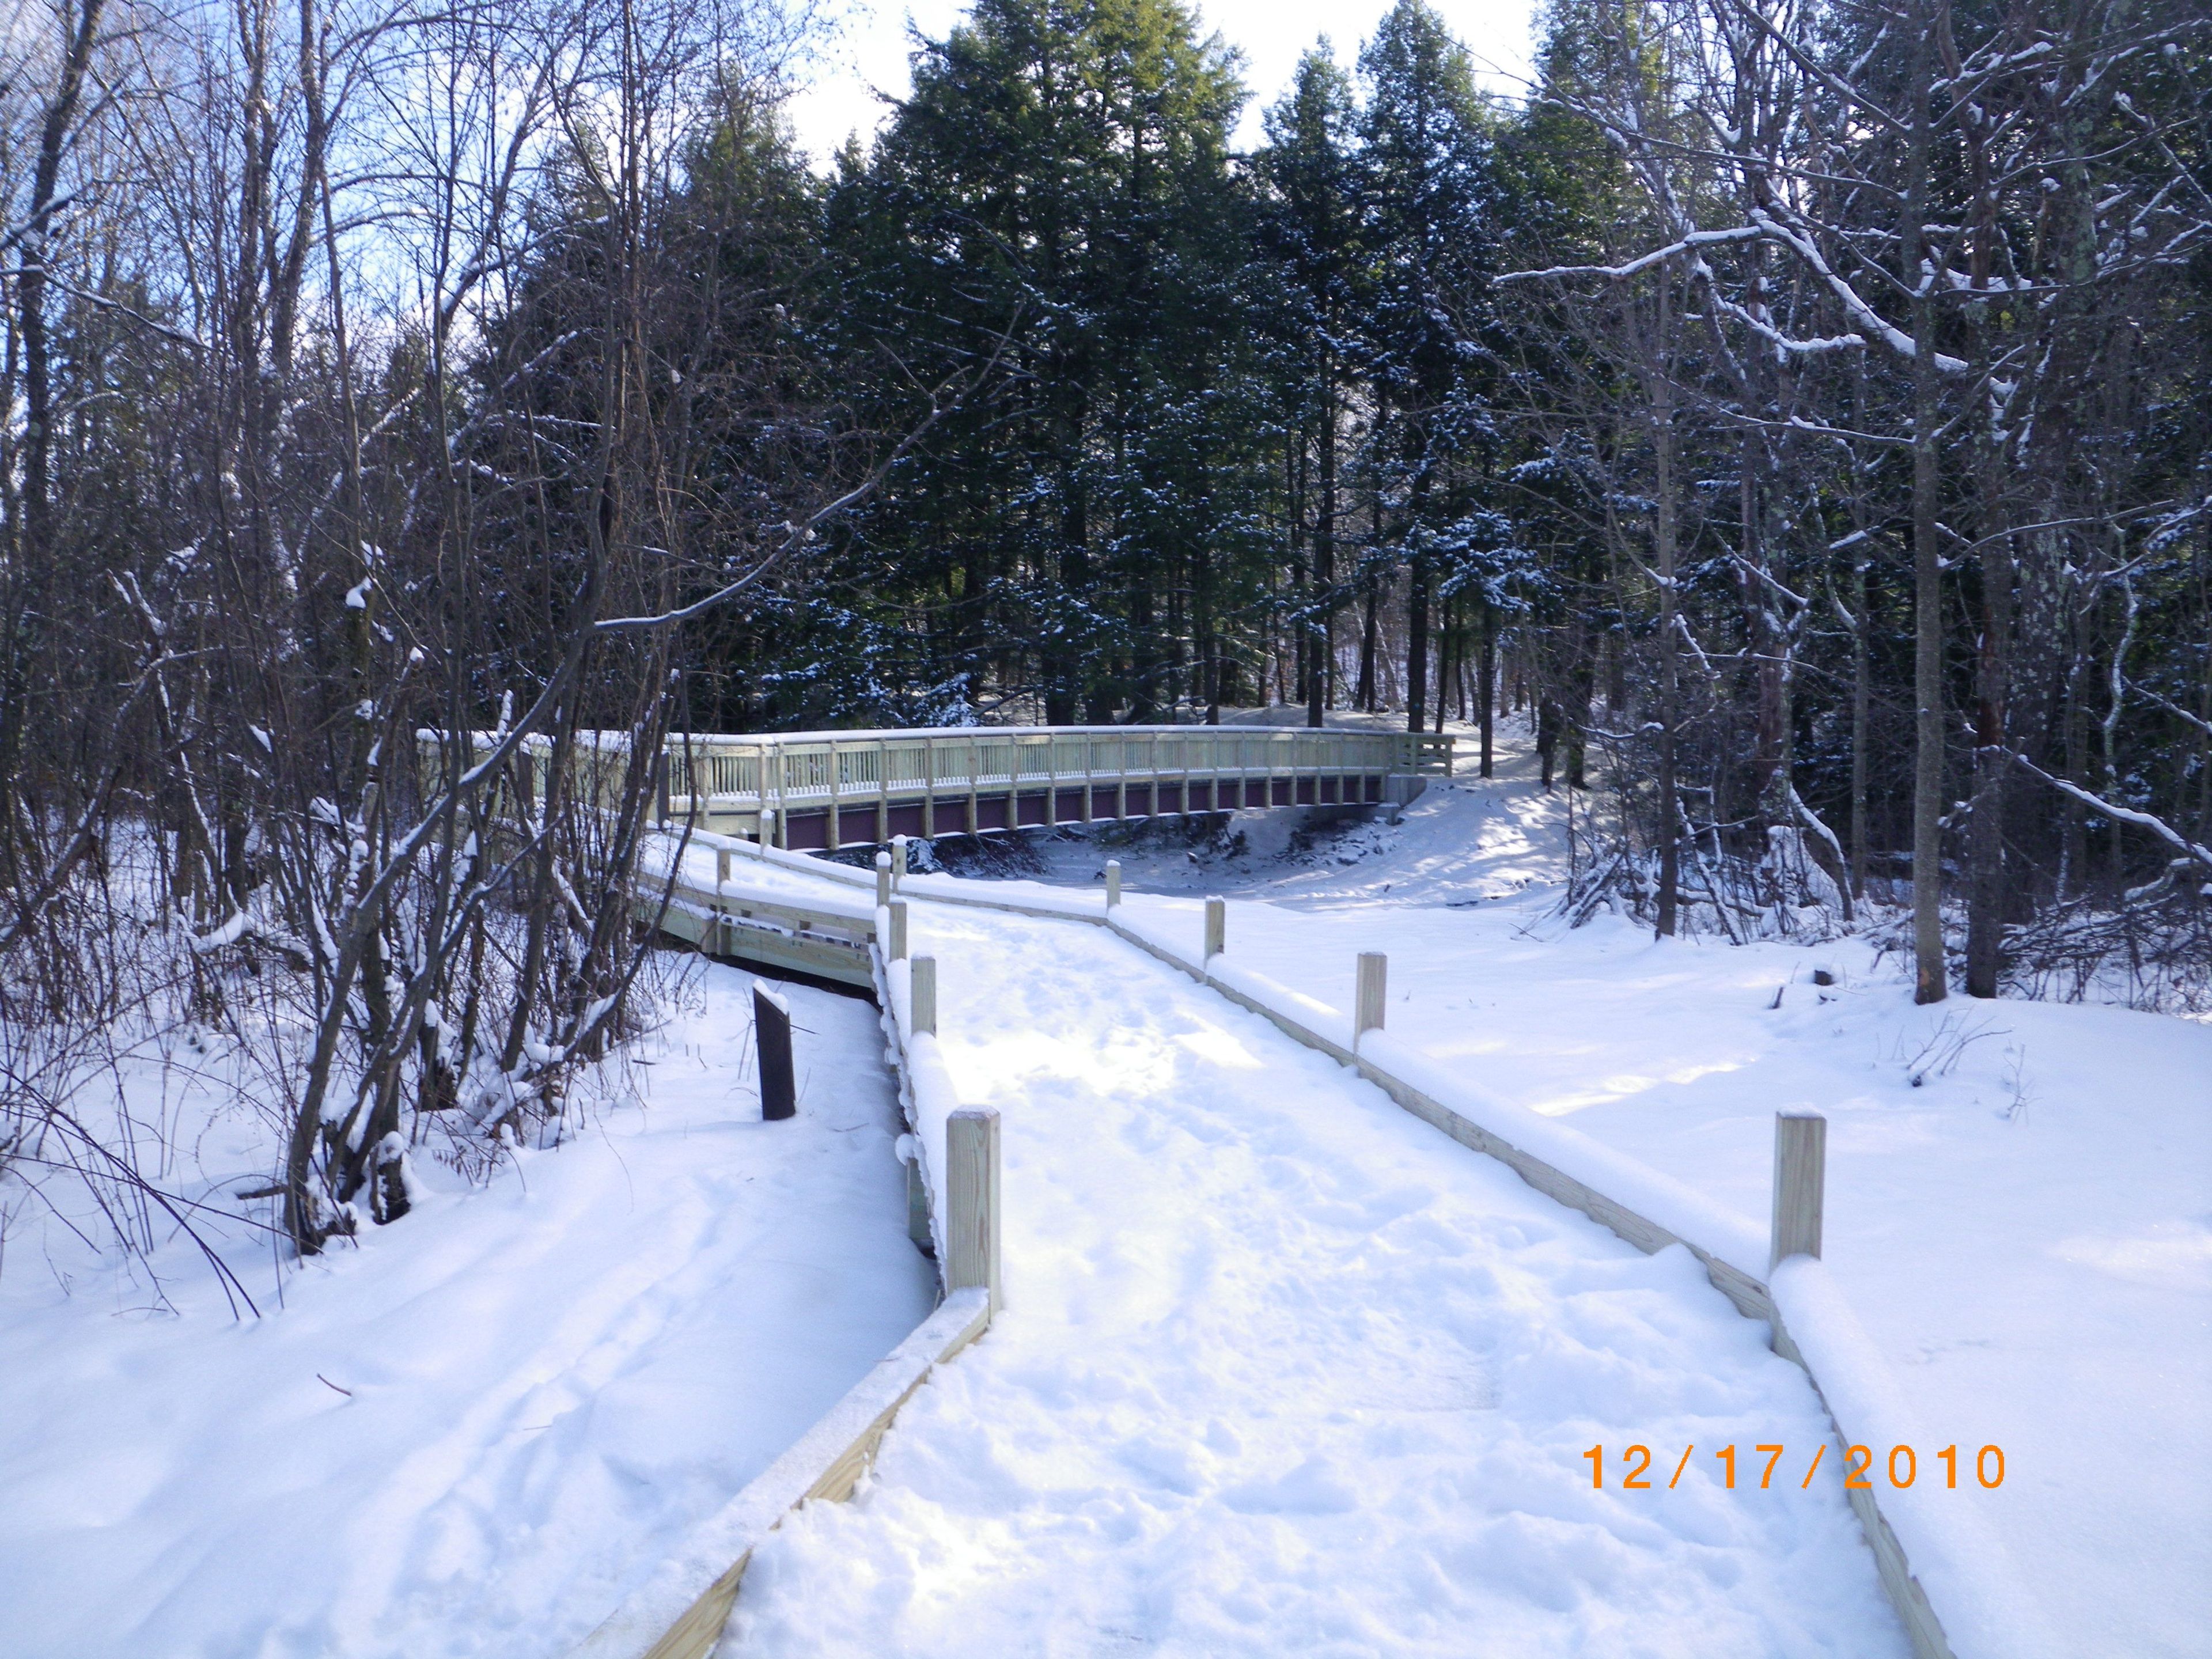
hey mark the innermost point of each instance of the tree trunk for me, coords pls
(1862, 702)
(1486, 692)
(37, 237)
(1416, 643)
(1370, 629)
(1929, 973)
(1324, 563)
(1663, 556)
(1447, 661)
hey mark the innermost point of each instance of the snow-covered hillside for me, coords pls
(470, 1431)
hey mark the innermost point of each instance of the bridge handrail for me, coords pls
(766, 767)
(812, 764)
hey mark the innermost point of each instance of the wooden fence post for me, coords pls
(779, 1089)
(1113, 882)
(1216, 927)
(1368, 1001)
(917, 1204)
(1801, 1161)
(971, 1202)
(721, 866)
(897, 951)
(921, 995)
(898, 862)
(882, 879)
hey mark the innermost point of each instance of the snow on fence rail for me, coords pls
(1953, 1584)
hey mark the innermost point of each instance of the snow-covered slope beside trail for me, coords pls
(1283, 1371)
(547, 1382)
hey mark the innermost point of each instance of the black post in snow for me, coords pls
(778, 1091)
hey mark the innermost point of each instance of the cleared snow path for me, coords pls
(1283, 1371)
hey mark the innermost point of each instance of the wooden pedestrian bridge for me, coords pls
(821, 791)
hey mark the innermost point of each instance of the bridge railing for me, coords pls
(769, 768)
(1040, 774)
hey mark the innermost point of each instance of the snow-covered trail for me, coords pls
(2016, 1191)
(1283, 1371)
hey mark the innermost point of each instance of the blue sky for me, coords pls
(870, 52)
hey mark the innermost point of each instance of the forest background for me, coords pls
(411, 416)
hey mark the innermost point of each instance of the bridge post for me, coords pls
(971, 1202)
(882, 879)
(1216, 927)
(895, 950)
(882, 791)
(1113, 882)
(782, 799)
(1368, 998)
(921, 995)
(721, 866)
(898, 862)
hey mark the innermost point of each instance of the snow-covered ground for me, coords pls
(2019, 1195)
(474, 1432)
(1283, 1371)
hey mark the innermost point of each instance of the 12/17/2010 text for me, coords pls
(1634, 1473)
